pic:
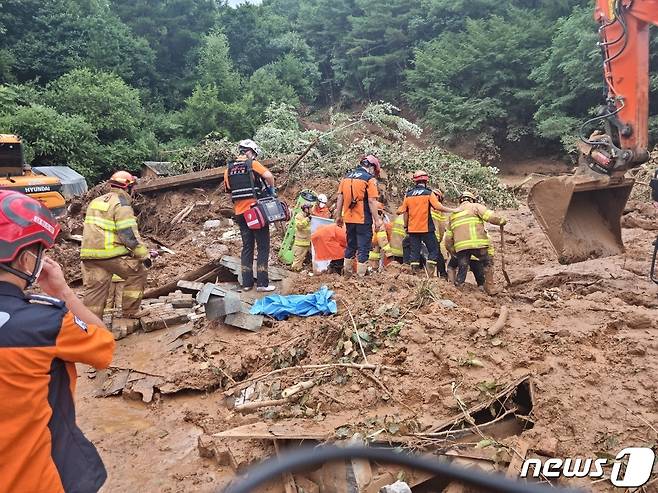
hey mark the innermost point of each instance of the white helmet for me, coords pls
(249, 144)
(322, 198)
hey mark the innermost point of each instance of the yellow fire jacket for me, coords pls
(302, 230)
(110, 228)
(398, 234)
(466, 230)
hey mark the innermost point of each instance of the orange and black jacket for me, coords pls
(357, 187)
(418, 205)
(41, 447)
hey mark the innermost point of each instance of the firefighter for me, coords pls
(395, 249)
(321, 209)
(380, 249)
(357, 198)
(246, 180)
(466, 237)
(440, 221)
(302, 244)
(42, 338)
(416, 207)
(111, 244)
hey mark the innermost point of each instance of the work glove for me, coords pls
(140, 252)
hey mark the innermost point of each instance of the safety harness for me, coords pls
(241, 181)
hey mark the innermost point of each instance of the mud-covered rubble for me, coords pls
(585, 333)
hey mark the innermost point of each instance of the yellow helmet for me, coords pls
(466, 195)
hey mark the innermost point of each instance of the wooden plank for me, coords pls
(283, 430)
(169, 182)
(190, 276)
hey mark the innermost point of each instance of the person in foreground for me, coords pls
(41, 339)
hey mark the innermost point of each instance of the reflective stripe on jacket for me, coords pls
(110, 228)
(302, 230)
(398, 234)
(466, 228)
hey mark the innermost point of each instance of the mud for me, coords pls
(586, 332)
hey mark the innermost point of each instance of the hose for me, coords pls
(309, 457)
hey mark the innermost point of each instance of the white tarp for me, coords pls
(316, 222)
(73, 183)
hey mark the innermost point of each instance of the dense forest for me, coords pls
(101, 84)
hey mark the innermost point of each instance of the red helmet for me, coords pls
(23, 222)
(122, 179)
(374, 162)
(420, 176)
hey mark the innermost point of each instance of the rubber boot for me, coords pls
(361, 269)
(489, 283)
(452, 274)
(348, 267)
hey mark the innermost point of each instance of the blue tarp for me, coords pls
(305, 305)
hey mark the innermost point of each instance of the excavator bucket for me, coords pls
(581, 215)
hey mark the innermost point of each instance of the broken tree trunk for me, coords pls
(159, 184)
(190, 276)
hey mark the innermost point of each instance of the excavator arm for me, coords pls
(624, 32)
(581, 214)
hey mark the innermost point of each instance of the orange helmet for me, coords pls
(421, 176)
(122, 179)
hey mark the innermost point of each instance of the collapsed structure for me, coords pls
(405, 361)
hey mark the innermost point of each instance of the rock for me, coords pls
(447, 304)
(355, 388)
(637, 349)
(437, 351)
(487, 313)
(371, 396)
(397, 487)
(418, 336)
(217, 251)
(638, 321)
(206, 446)
(212, 224)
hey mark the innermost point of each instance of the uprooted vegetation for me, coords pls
(409, 362)
(329, 150)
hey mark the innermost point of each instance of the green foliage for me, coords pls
(53, 138)
(569, 77)
(215, 67)
(476, 81)
(91, 121)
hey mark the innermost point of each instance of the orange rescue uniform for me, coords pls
(41, 447)
(418, 204)
(329, 242)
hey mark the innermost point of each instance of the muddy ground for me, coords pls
(585, 333)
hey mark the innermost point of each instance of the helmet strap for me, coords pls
(29, 278)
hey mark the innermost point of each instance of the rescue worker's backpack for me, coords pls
(243, 182)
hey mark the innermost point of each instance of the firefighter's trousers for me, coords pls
(97, 279)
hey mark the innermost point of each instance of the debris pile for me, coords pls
(560, 364)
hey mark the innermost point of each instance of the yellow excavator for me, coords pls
(16, 175)
(581, 213)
